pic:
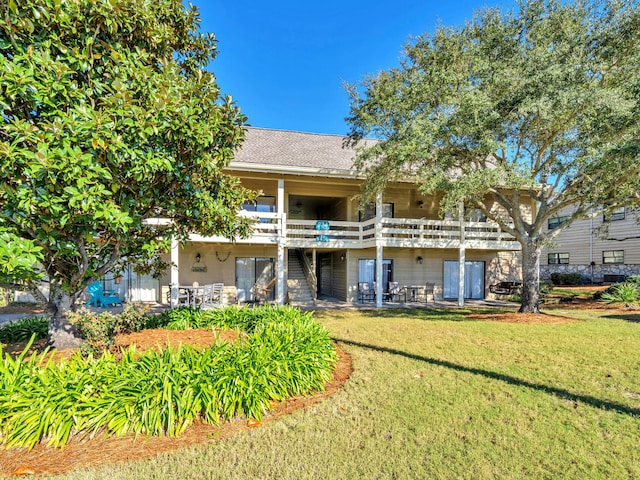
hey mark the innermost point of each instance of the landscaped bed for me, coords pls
(205, 367)
(435, 393)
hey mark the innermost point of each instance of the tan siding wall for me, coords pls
(407, 270)
(217, 270)
(339, 275)
(578, 241)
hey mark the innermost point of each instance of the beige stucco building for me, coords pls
(312, 236)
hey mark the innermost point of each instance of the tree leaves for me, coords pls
(109, 119)
(536, 105)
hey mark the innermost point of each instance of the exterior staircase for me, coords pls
(298, 289)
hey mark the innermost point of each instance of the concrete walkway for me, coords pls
(335, 304)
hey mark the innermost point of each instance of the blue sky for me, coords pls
(285, 62)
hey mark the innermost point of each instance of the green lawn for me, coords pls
(434, 395)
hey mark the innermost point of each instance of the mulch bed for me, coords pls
(84, 452)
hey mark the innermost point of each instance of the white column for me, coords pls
(280, 199)
(461, 260)
(461, 256)
(281, 276)
(379, 252)
(281, 263)
(174, 277)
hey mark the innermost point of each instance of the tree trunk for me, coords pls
(62, 334)
(531, 252)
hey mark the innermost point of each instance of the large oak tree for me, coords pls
(109, 120)
(534, 110)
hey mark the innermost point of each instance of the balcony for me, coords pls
(391, 232)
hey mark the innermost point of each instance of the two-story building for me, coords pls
(313, 237)
(596, 253)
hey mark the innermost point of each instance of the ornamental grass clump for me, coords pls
(21, 330)
(162, 392)
(627, 293)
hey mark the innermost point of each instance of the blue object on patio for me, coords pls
(322, 238)
(98, 298)
(322, 225)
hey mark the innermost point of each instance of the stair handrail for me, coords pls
(309, 274)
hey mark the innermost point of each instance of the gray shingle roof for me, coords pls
(286, 148)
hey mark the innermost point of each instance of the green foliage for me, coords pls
(21, 330)
(18, 258)
(161, 393)
(99, 329)
(566, 279)
(627, 293)
(539, 104)
(109, 120)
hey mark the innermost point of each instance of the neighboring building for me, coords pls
(597, 255)
(312, 237)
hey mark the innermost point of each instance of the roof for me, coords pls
(296, 152)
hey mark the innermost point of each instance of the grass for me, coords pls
(435, 395)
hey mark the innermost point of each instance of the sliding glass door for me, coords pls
(252, 270)
(367, 272)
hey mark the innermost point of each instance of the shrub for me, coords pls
(100, 329)
(566, 279)
(21, 330)
(627, 293)
(285, 353)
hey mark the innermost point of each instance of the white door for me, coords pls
(473, 279)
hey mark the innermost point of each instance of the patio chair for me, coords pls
(396, 291)
(261, 292)
(386, 296)
(217, 294)
(98, 297)
(424, 293)
(212, 295)
(365, 293)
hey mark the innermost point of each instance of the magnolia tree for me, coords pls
(523, 115)
(109, 120)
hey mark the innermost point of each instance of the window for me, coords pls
(617, 214)
(370, 211)
(613, 256)
(558, 258)
(555, 222)
(262, 204)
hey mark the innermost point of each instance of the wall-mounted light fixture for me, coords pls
(342, 257)
(299, 205)
(420, 204)
(419, 259)
(198, 257)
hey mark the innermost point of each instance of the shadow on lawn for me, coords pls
(631, 317)
(558, 392)
(452, 314)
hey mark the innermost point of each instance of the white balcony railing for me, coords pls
(392, 232)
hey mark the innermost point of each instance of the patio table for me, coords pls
(189, 295)
(413, 291)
